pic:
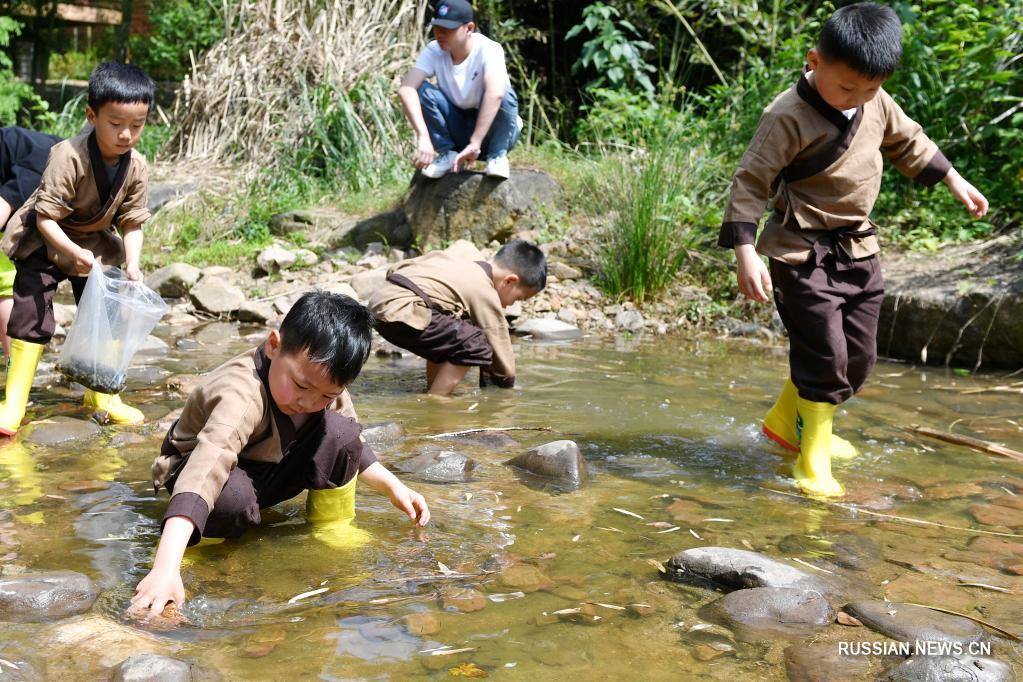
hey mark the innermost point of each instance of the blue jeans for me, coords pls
(450, 127)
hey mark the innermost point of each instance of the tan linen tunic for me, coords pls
(226, 418)
(457, 285)
(824, 171)
(71, 193)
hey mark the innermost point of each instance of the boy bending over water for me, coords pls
(263, 427)
(816, 155)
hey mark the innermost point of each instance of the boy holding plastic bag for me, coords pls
(92, 183)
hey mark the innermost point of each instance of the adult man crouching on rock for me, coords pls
(473, 107)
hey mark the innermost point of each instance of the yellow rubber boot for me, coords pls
(18, 463)
(111, 406)
(780, 425)
(332, 512)
(21, 370)
(813, 466)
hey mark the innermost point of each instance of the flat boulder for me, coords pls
(60, 431)
(275, 258)
(216, 296)
(476, 207)
(174, 280)
(386, 433)
(445, 466)
(151, 668)
(560, 460)
(546, 328)
(738, 569)
(909, 623)
(27, 597)
(365, 283)
(762, 613)
(949, 669)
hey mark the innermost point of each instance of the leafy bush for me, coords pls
(615, 52)
(18, 103)
(180, 28)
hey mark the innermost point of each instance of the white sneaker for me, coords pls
(441, 165)
(498, 167)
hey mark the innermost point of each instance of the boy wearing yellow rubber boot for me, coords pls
(264, 427)
(817, 156)
(93, 184)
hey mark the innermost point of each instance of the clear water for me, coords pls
(670, 431)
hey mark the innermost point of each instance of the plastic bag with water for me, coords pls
(114, 318)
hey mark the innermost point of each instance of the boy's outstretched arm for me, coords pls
(163, 583)
(970, 196)
(133, 252)
(402, 497)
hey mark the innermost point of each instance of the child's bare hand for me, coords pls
(158, 589)
(754, 279)
(970, 196)
(133, 273)
(83, 260)
(411, 503)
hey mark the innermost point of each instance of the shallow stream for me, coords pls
(670, 432)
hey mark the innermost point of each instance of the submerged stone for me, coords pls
(59, 431)
(908, 623)
(441, 467)
(822, 662)
(761, 613)
(151, 668)
(384, 433)
(463, 599)
(30, 597)
(547, 329)
(950, 669)
(560, 459)
(422, 623)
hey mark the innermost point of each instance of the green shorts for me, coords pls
(7, 273)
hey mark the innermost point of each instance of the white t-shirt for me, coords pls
(463, 83)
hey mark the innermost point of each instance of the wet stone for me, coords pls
(83, 486)
(59, 431)
(441, 467)
(16, 666)
(766, 612)
(493, 440)
(547, 329)
(882, 494)
(736, 569)
(30, 597)
(950, 669)
(569, 592)
(421, 623)
(997, 515)
(524, 577)
(952, 491)
(151, 668)
(708, 652)
(463, 599)
(385, 433)
(923, 589)
(560, 459)
(821, 662)
(183, 384)
(908, 623)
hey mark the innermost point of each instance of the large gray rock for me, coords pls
(151, 668)
(474, 207)
(547, 329)
(738, 569)
(960, 307)
(560, 460)
(217, 296)
(388, 228)
(761, 613)
(275, 258)
(60, 431)
(386, 433)
(365, 283)
(908, 623)
(441, 467)
(163, 193)
(950, 669)
(174, 280)
(28, 597)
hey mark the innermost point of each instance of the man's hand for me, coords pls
(467, 156)
(754, 279)
(133, 273)
(83, 260)
(157, 589)
(411, 503)
(425, 152)
(970, 196)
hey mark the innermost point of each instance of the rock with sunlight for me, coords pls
(560, 460)
(60, 431)
(546, 328)
(174, 280)
(45, 596)
(909, 623)
(737, 569)
(156, 668)
(445, 466)
(941, 668)
(762, 613)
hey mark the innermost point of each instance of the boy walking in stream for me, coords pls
(817, 156)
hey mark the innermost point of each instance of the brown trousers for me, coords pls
(35, 283)
(830, 310)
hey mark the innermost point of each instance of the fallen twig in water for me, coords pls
(455, 434)
(893, 517)
(986, 624)
(974, 443)
(433, 578)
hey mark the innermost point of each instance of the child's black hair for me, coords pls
(525, 260)
(333, 330)
(866, 37)
(121, 83)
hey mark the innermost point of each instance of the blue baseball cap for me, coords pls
(452, 14)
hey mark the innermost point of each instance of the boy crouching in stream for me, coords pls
(263, 427)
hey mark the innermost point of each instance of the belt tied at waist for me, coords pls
(829, 243)
(405, 283)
